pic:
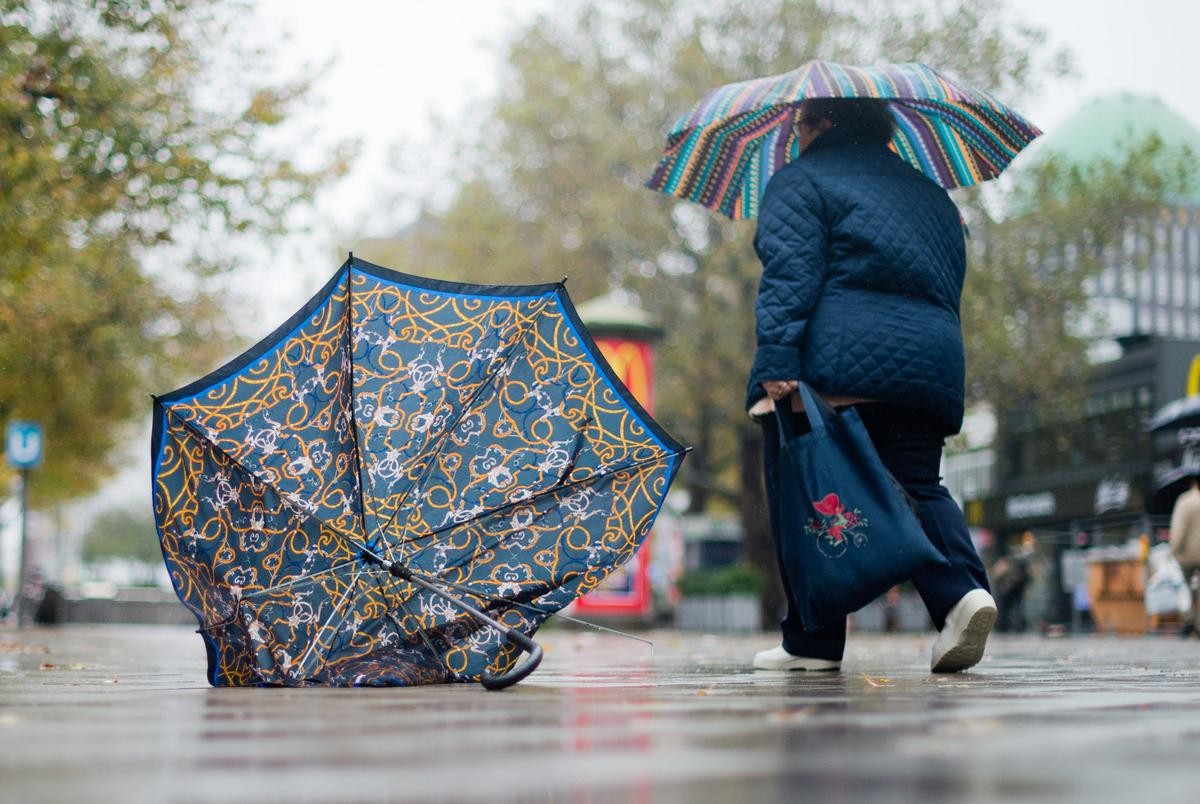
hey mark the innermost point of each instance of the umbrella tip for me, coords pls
(563, 281)
(351, 257)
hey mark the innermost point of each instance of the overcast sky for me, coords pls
(1148, 47)
(395, 66)
(396, 62)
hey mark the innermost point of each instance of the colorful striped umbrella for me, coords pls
(722, 152)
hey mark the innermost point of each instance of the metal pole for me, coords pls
(3, 586)
(22, 555)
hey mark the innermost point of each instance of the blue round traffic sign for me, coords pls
(23, 444)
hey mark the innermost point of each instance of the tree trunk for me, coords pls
(700, 467)
(757, 549)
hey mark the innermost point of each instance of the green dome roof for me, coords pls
(1101, 126)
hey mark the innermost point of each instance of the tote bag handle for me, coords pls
(819, 412)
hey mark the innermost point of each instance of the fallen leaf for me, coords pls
(876, 682)
(791, 715)
(52, 666)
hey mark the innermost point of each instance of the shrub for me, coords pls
(735, 579)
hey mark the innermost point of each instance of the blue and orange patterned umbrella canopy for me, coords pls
(470, 434)
(722, 153)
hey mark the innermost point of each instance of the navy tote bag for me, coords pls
(848, 530)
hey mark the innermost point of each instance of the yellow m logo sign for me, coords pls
(1193, 382)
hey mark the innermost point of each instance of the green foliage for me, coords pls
(735, 579)
(1026, 310)
(550, 183)
(122, 533)
(117, 136)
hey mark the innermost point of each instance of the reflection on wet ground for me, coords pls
(122, 713)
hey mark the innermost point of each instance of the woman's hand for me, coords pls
(780, 389)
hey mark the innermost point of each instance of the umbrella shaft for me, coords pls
(405, 574)
(513, 636)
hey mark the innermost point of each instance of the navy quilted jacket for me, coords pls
(863, 262)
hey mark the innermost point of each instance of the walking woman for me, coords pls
(863, 263)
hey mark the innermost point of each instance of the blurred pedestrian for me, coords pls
(1011, 575)
(1185, 546)
(863, 264)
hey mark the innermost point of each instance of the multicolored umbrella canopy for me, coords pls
(722, 153)
(323, 498)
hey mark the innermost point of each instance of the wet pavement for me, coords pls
(123, 714)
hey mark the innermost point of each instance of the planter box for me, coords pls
(1117, 590)
(719, 613)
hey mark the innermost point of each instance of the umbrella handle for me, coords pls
(488, 679)
(491, 681)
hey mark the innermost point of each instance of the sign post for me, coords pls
(23, 447)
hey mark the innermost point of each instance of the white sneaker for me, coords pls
(780, 659)
(961, 643)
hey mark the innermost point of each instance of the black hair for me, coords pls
(865, 119)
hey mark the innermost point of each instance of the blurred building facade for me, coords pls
(1088, 480)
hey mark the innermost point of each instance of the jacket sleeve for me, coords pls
(792, 243)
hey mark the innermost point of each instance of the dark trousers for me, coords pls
(910, 446)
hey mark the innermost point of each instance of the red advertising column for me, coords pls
(624, 334)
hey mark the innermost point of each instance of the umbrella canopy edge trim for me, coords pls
(276, 336)
(664, 439)
(211, 651)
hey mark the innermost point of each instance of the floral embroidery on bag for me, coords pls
(837, 527)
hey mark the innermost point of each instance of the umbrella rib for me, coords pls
(246, 471)
(434, 651)
(333, 612)
(445, 435)
(466, 408)
(358, 475)
(618, 470)
(367, 550)
(438, 655)
(552, 489)
(530, 606)
(303, 579)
